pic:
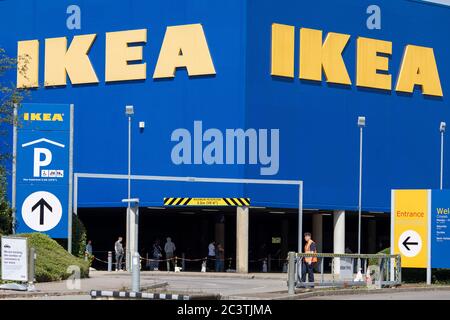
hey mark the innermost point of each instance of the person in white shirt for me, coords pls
(169, 249)
(211, 255)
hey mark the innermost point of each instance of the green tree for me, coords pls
(9, 96)
(79, 239)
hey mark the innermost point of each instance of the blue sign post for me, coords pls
(43, 170)
(440, 229)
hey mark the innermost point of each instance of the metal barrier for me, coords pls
(377, 270)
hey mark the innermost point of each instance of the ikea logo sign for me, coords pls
(32, 116)
(184, 46)
(321, 55)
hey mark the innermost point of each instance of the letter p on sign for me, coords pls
(41, 161)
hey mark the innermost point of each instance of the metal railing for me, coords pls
(339, 270)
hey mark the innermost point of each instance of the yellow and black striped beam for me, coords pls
(206, 202)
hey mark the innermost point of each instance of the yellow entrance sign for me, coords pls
(409, 227)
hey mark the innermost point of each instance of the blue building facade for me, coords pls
(316, 121)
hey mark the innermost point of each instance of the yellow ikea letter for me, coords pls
(369, 62)
(184, 46)
(314, 56)
(28, 64)
(283, 39)
(118, 54)
(74, 61)
(419, 68)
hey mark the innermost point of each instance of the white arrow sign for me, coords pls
(410, 243)
(41, 211)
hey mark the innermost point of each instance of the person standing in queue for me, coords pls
(118, 248)
(169, 249)
(88, 249)
(308, 262)
(211, 256)
(220, 257)
(157, 255)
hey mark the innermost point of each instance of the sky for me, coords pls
(446, 2)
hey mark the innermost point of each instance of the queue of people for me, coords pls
(157, 253)
(215, 259)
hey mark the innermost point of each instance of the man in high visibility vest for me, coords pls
(308, 262)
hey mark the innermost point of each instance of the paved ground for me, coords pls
(187, 283)
(228, 285)
(414, 295)
(223, 286)
(66, 297)
(96, 281)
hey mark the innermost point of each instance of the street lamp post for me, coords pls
(129, 111)
(135, 258)
(361, 125)
(442, 130)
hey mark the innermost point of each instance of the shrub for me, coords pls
(375, 261)
(5, 210)
(416, 275)
(79, 237)
(52, 259)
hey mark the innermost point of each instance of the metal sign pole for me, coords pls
(128, 252)
(14, 171)
(70, 211)
(392, 233)
(300, 217)
(429, 239)
(360, 195)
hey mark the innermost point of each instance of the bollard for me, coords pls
(85, 256)
(269, 263)
(135, 270)
(183, 261)
(322, 277)
(32, 270)
(264, 268)
(291, 273)
(109, 261)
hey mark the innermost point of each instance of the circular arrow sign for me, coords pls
(41, 211)
(410, 243)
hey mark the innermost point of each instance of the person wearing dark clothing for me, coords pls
(308, 262)
(157, 255)
(118, 248)
(220, 257)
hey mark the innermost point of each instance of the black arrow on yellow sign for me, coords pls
(406, 243)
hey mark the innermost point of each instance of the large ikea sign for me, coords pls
(183, 46)
(372, 67)
(186, 46)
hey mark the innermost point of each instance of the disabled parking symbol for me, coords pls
(410, 243)
(41, 211)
